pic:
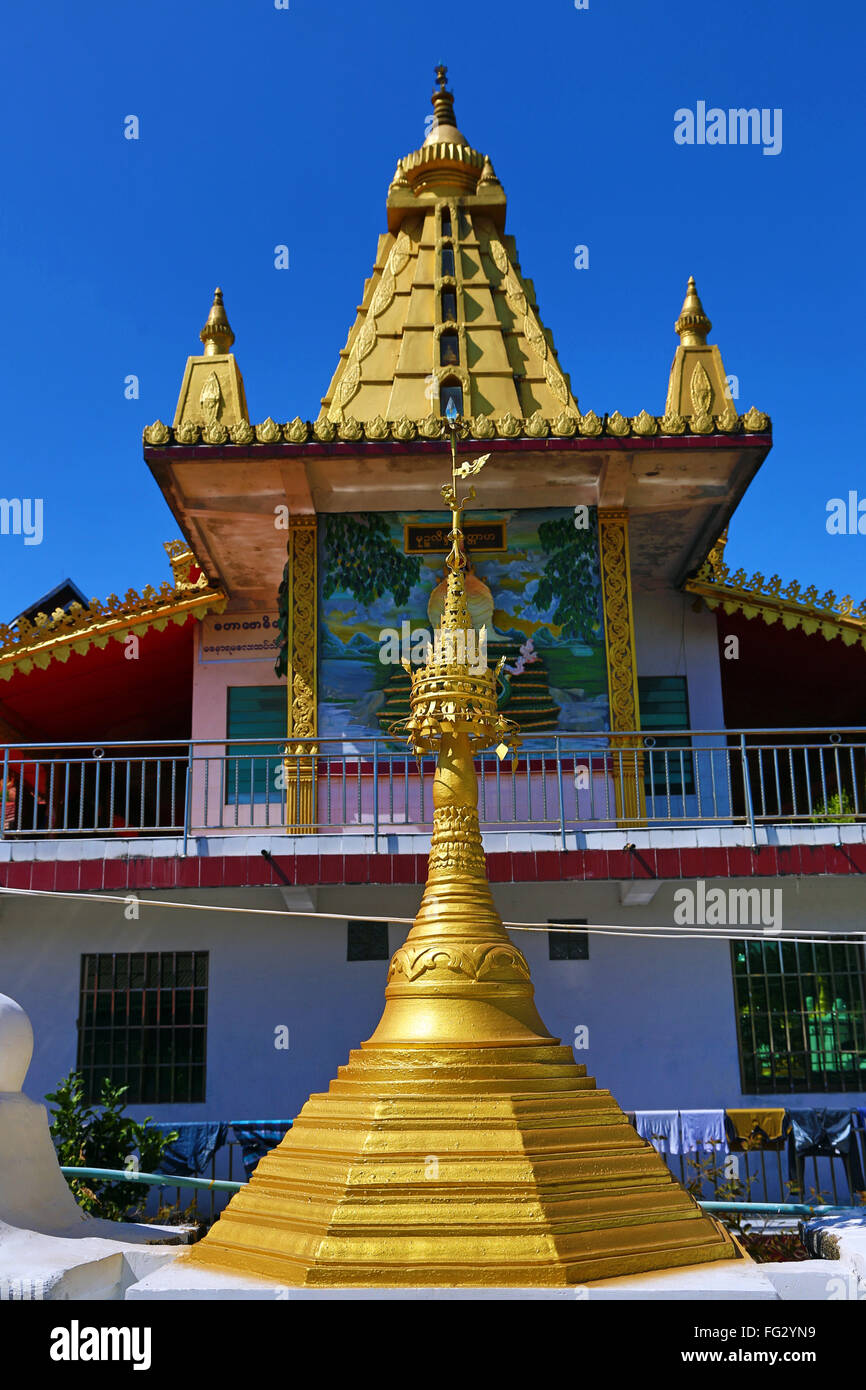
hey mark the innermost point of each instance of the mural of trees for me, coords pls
(571, 577)
(363, 560)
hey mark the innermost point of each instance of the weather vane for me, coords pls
(449, 490)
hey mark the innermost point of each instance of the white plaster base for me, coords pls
(35, 1266)
(727, 1279)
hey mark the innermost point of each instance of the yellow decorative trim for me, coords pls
(301, 685)
(298, 431)
(268, 432)
(26, 645)
(645, 424)
(719, 586)
(564, 426)
(621, 659)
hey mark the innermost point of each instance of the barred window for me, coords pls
(143, 1024)
(800, 1015)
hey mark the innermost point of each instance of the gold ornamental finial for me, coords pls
(217, 335)
(692, 324)
(444, 128)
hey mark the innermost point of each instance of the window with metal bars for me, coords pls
(801, 1015)
(143, 1024)
(668, 767)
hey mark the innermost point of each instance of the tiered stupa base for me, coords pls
(461, 1167)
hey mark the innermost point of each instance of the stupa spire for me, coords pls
(217, 335)
(444, 126)
(692, 324)
(461, 1144)
(697, 387)
(212, 396)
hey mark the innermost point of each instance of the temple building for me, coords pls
(685, 811)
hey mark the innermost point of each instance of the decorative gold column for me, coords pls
(462, 1145)
(301, 811)
(621, 664)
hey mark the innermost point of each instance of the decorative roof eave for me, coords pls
(483, 427)
(719, 587)
(27, 645)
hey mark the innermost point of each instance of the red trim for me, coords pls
(547, 866)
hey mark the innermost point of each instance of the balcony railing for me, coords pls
(556, 782)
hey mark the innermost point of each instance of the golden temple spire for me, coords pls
(444, 128)
(698, 387)
(217, 335)
(692, 324)
(212, 397)
(462, 1144)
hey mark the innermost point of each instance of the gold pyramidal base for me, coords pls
(461, 1167)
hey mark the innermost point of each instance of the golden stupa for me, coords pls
(461, 1145)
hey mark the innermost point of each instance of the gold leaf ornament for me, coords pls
(700, 391)
(157, 434)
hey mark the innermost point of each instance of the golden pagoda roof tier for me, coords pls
(735, 592)
(446, 269)
(52, 637)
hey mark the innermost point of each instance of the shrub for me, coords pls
(104, 1137)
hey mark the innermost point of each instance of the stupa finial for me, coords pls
(444, 127)
(692, 324)
(217, 335)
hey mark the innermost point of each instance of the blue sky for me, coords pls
(261, 126)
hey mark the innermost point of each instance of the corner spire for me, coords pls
(217, 335)
(697, 386)
(212, 397)
(692, 324)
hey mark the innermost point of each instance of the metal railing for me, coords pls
(559, 782)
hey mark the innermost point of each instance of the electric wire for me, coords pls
(675, 932)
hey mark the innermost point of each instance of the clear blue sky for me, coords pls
(262, 126)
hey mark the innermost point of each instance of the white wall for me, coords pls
(672, 640)
(660, 1014)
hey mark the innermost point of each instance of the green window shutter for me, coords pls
(255, 711)
(664, 704)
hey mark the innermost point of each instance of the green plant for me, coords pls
(726, 1186)
(104, 1137)
(838, 808)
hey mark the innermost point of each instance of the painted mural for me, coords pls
(536, 586)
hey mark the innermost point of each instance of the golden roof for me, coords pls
(445, 268)
(793, 606)
(53, 636)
